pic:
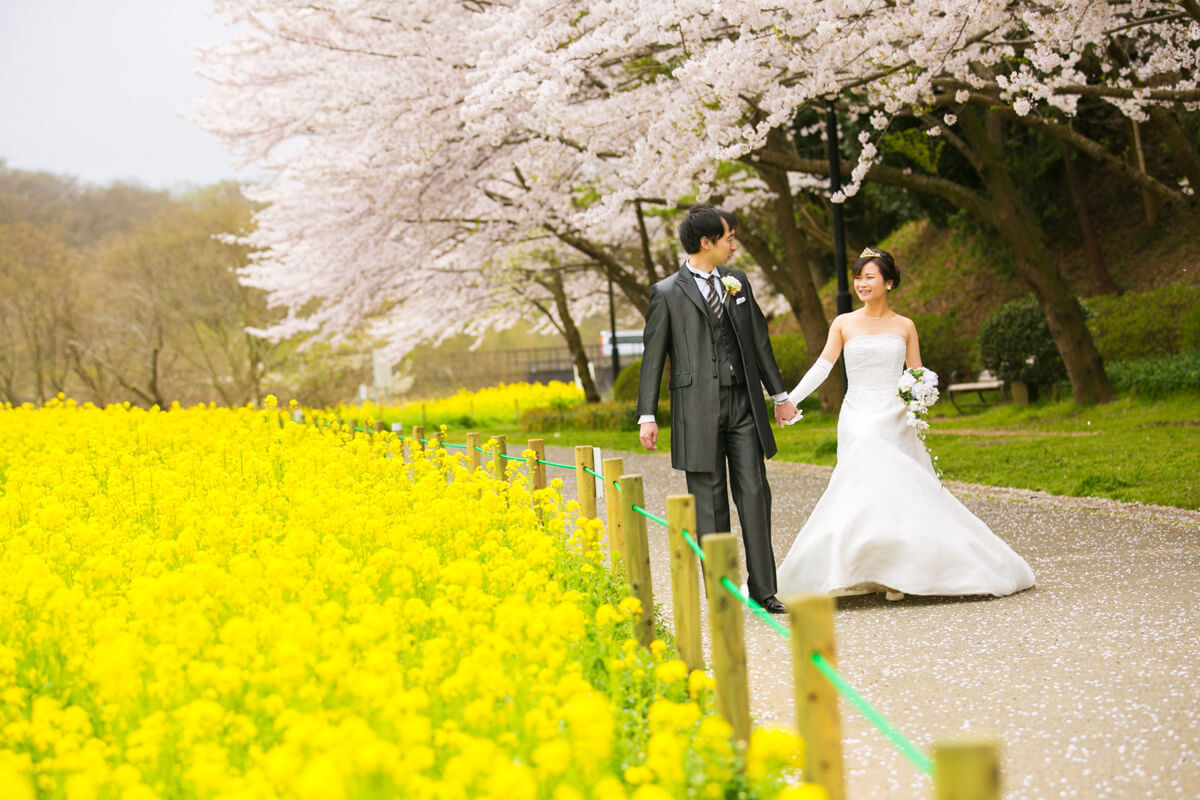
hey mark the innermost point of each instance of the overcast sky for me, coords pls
(93, 88)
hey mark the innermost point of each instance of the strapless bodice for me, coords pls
(873, 366)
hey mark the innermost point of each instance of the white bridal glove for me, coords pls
(815, 376)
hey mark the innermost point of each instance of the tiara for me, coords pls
(870, 252)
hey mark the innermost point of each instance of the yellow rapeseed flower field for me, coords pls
(221, 603)
(501, 404)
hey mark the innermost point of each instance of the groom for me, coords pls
(706, 320)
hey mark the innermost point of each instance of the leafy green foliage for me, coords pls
(625, 387)
(1137, 325)
(612, 416)
(1158, 376)
(918, 147)
(791, 355)
(1015, 343)
(944, 347)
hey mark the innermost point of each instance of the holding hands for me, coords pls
(786, 413)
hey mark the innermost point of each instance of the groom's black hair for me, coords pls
(703, 221)
(887, 265)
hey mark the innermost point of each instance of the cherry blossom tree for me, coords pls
(409, 146)
(714, 82)
(385, 205)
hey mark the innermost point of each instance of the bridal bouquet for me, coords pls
(918, 390)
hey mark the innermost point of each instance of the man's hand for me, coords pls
(784, 412)
(649, 435)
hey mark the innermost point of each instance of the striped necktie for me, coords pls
(714, 297)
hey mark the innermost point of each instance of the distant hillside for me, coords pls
(954, 273)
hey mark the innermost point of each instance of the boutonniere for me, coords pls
(731, 284)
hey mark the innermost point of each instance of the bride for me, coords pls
(885, 522)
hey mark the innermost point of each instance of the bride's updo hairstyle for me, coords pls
(887, 265)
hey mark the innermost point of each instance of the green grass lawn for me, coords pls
(1131, 450)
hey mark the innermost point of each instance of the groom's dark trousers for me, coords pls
(718, 418)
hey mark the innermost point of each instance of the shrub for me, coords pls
(625, 387)
(1158, 376)
(611, 416)
(1137, 325)
(944, 348)
(791, 354)
(1015, 343)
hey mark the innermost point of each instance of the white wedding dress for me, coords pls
(885, 522)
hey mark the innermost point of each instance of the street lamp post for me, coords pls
(612, 326)
(839, 230)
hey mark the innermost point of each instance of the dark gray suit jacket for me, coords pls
(678, 324)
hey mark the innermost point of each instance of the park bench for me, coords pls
(984, 382)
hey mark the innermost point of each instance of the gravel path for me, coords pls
(1089, 679)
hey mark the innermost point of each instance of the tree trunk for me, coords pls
(1016, 223)
(570, 332)
(1090, 245)
(1149, 201)
(635, 290)
(795, 281)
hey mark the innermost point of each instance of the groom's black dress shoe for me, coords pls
(773, 605)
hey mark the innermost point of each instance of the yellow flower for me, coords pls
(671, 671)
(804, 791)
(698, 683)
(638, 774)
(605, 615)
(651, 792)
(773, 748)
(264, 606)
(551, 758)
(18, 783)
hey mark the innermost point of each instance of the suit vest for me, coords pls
(730, 369)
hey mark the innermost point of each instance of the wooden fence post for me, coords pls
(418, 433)
(728, 637)
(613, 469)
(637, 555)
(685, 579)
(472, 451)
(585, 483)
(818, 718)
(537, 470)
(967, 769)
(498, 453)
(380, 426)
(438, 439)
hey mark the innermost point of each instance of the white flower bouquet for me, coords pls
(918, 390)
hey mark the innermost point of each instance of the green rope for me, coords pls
(919, 759)
(687, 537)
(593, 473)
(552, 464)
(648, 515)
(756, 609)
(510, 458)
(456, 446)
